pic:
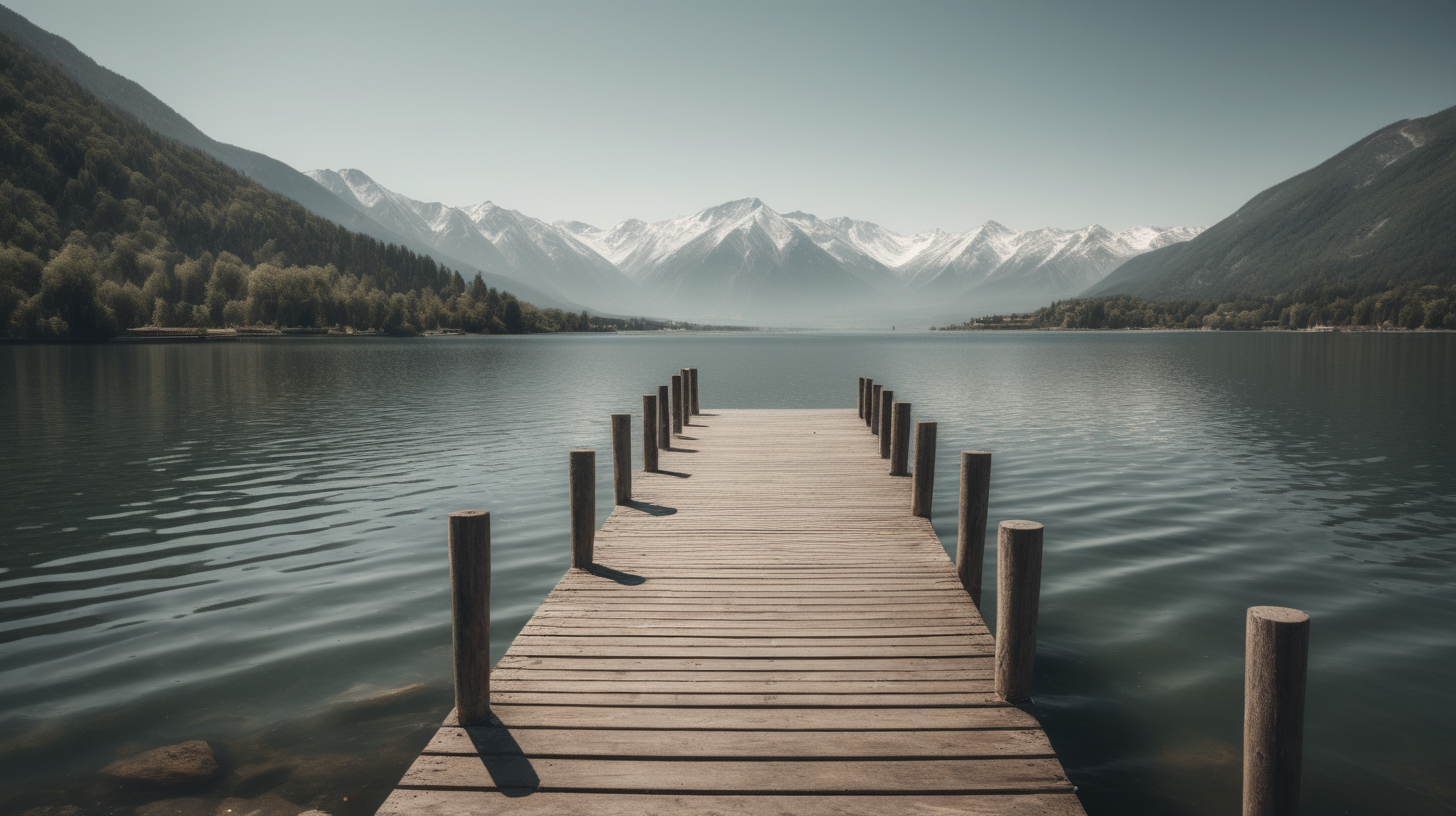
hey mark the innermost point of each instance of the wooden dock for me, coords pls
(767, 630)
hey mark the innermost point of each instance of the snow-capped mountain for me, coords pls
(742, 256)
(739, 260)
(495, 239)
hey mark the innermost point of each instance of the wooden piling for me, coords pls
(677, 397)
(887, 399)
(875, 392)
(693, 400)
(649, 433)
(1276, 662)
(1018, 592)
(469, 543)
(900, 439)
(622, 458)
(686, 408)
(664, 419)
(923, 484)
(869, 386)
(971, 528)
(582, 479)
(861, 397)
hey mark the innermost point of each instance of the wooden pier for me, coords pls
(766, 628)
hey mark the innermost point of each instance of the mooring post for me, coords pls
(869, 386)
(971, 529)
(664, 420)
(582, 479)
(622, 458)
(900, 439)
(649, 432)
(469, 542)
(686, 408)
(887, 399)
(923, 483)
(1018, 591)
(693, 402)
(677, 394)
(1276, 662)
(875, 393)
(861, 398)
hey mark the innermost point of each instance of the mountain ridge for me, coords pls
(1376, 214)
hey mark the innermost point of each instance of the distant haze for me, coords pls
(911, 116)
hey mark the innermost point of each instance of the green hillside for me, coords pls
(107, 225)
(1380, 214)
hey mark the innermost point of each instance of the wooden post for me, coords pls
(1276, 662)
(924, 477)
(1018, 591)
(869, 385)
(861, 398)
(686, 409)
(900, 439)
(971, 530)
(875, 392)
(693, 401)
(677, 392)
(622, 458)
(664, 420)
(582, 479)
(649, 432)
(887, 399)
(469, 540)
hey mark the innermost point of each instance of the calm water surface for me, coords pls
(245, 543)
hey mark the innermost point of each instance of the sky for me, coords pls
(911, 115)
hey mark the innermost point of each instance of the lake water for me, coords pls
(245, 542)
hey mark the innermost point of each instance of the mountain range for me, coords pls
(743, 260)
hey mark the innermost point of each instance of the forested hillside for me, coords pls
(107, 225)
(1376, 215)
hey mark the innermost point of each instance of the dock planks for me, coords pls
(768, 630)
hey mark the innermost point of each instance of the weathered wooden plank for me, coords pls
(1038, 775)
(998, 715)
(886, 666)
(564, 742)
(415, 802)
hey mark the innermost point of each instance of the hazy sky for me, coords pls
(911, 115)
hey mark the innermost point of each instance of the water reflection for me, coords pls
(244, 542)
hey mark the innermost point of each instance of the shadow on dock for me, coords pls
(652, 509)
(509, 768)
(623, 578)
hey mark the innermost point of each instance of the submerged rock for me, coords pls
(56, 810)
(266, 805)
(190, 806)
(186, 763)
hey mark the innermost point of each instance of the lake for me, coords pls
(245, 542)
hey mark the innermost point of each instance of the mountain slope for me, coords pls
(524, 248)
(131, 99)
(107, 225)
(1377, 214)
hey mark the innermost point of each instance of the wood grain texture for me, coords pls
(766, 629)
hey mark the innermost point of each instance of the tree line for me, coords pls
(1337, 305)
